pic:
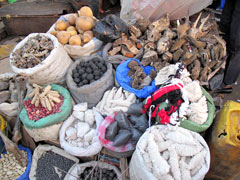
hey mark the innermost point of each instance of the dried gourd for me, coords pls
(85, 11)
(75, 40)
(61, 25)
(63, 37)
(84, 23)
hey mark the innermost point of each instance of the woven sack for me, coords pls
(53, 118)
(77, 169)
(117, 59)
(78, 51)
(41, 150)
(52, 70)
(91, 93)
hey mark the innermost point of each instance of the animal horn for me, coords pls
(196, 22)
(204, 21)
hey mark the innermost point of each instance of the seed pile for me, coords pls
(9, 166)
(37, 112)
(34, 51)
(97, 173)
(52, 166)
(88, 72)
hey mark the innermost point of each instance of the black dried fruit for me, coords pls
(96, 73)
(84, 76)
(76, 80)
(88, 70)
(74, 71)
(75, 75)
(103, 68)
(80, 71)
(89, 76)
(85, 81)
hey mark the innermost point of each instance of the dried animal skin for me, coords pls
(163, 45)
(114, 51)
(195, 32)
(204, 72)
(135, 31)
(169, 33)
(196, 70)
(178, 44)
(223, 44)
(183, 28)
(167, 56)
(177, 54)
(149, 46)
(149, 57)
(161, 24)
(196, 43)
(174, 163)
(160, 165)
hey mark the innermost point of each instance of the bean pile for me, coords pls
(52, 166)
(9, 166)
(34, 51)
(37, 112)
(97, 173)
(88, 72)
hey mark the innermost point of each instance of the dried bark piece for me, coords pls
(114, 51)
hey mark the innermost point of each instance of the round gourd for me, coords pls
(87, 36)
(71, 28)
(72, 32)
(85, 11)
(63, 37)
(72, 19)
(75, 40)
(61, 25)
(84, 23)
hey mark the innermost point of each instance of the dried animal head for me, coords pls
(153, 35)
(161, 24)
(142, 24)
(149, 46)
(169, 33)
(163, 45)
(183, 28)
(195, 32)
(149, 57)
(167, 56)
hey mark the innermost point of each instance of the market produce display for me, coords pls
(76, 29)
(115, 100)
(78, 134)
(88, 72)
(170, 153)
(34, 51)
(52, 166)
(10, 167)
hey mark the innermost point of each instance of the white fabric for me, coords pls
(77, 169)
(49, 133)
(52, 70)
(80, 147)
(39, 151)
(139, 170)
(78, 51)
(164, 73)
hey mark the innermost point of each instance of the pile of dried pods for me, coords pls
(9, 166)
(34, 51)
